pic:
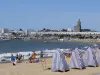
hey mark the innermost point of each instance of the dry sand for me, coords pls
(37, 69)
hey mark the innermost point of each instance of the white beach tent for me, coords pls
(76, 60)
(90, 58)
(58, 62)
(85, 55)
(98, 55)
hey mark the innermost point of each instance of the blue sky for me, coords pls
(52, 14)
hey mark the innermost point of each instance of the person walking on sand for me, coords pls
(13, 60)
(43, 60)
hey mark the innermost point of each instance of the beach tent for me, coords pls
(98, 56)
(67, 51)
(90, 58)
(76, 60)
(58, 62)
(85, 53)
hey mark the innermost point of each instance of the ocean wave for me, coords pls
(26, 55)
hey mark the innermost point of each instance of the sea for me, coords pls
(24, 47)
(29, 45)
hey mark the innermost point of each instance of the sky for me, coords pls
(51, 14)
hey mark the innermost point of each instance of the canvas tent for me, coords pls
(76, 60)
(90, 58)
(98, 56)
(58, 61)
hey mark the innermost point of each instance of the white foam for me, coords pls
(26, 55)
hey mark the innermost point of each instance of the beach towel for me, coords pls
(59, 62)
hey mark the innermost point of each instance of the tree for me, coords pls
(20, 29)
(43, 29)
(14, 34)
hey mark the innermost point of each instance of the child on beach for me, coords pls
(13, 60)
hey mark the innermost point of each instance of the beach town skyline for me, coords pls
(77, 28)
(46, 36)
(49, 14)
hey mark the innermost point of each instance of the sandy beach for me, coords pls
(26, 68)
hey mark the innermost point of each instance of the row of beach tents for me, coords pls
(79, 59)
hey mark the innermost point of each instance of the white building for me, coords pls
(69, 29)
(4, 30)
(73, 33)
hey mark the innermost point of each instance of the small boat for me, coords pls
(45, 41)
(26, 39)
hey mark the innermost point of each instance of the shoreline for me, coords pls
(60, 40)
(73, 40)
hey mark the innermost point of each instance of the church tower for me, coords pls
(77, 28)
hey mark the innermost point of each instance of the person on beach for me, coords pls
(13, 60)
(43, 60)
(33, 57)
(18, 58)
(41, 55)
